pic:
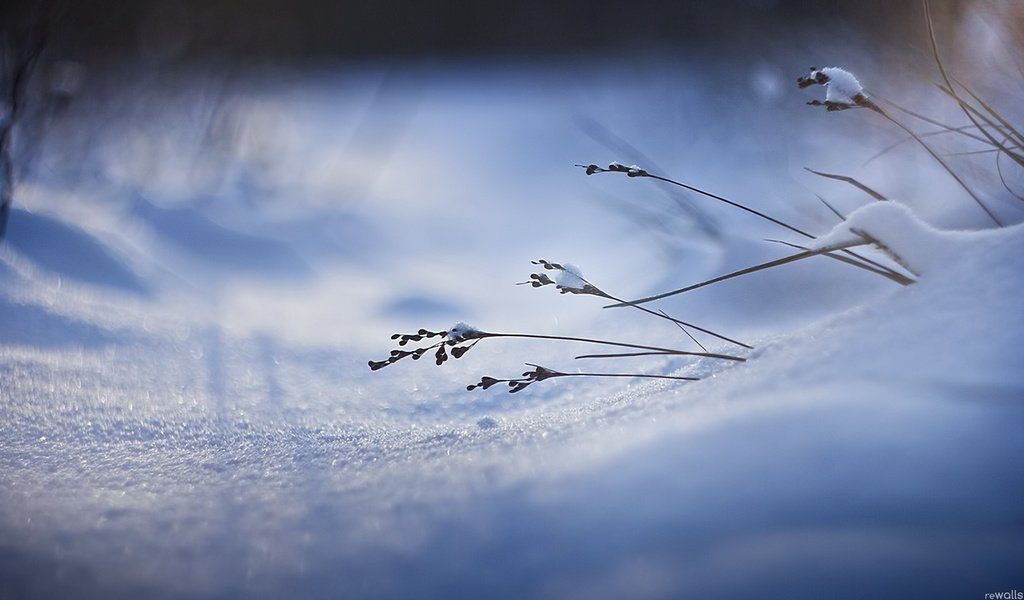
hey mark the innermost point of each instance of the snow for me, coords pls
(461, 331)
(187, 410)
(570, 277)
(913, 243)
(842, 86)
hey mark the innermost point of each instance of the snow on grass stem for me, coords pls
(635, 171)
(834, 75)
(581, 286)
(846, 256)
(459, 339)
(472, 336)
(842, 89)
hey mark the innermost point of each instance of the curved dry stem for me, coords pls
(847, 256)
(945, 166)
(582, 340)
(1016, 136)
(971, 110)
(850, 180)
(831, 208)
(767, 265)
(593, 290)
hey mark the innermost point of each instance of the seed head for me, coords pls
(449, 342)
(568, 279)
(615, 167)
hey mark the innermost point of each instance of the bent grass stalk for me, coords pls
(761, 267)
(854, 97)
(850, 180)
(969, 111)
(963, 130)
(462, 338)
(973, 112)
(843, 92)
(540, 279)
(831, 208)
(941, 162)
(475, 336)
(1014, 134)
(846, 256)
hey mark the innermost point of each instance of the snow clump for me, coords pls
(842, 86)
(842, 89)
(570, 277)
(461, 331)
(913, 243)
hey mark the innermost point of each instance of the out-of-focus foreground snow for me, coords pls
(189, 305)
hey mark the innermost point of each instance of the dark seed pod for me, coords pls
(485, 382)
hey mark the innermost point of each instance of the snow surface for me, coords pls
(187, 410)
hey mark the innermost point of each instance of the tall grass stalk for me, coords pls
(539, 280)
(807, 253)
(843, 92)
(846, 256)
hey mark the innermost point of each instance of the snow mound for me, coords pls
(915, 244)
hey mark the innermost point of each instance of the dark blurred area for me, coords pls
(309, 31)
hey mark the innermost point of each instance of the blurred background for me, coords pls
(193, 32)
(323, 174)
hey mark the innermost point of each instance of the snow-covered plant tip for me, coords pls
(459, 339)
(843, 91)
